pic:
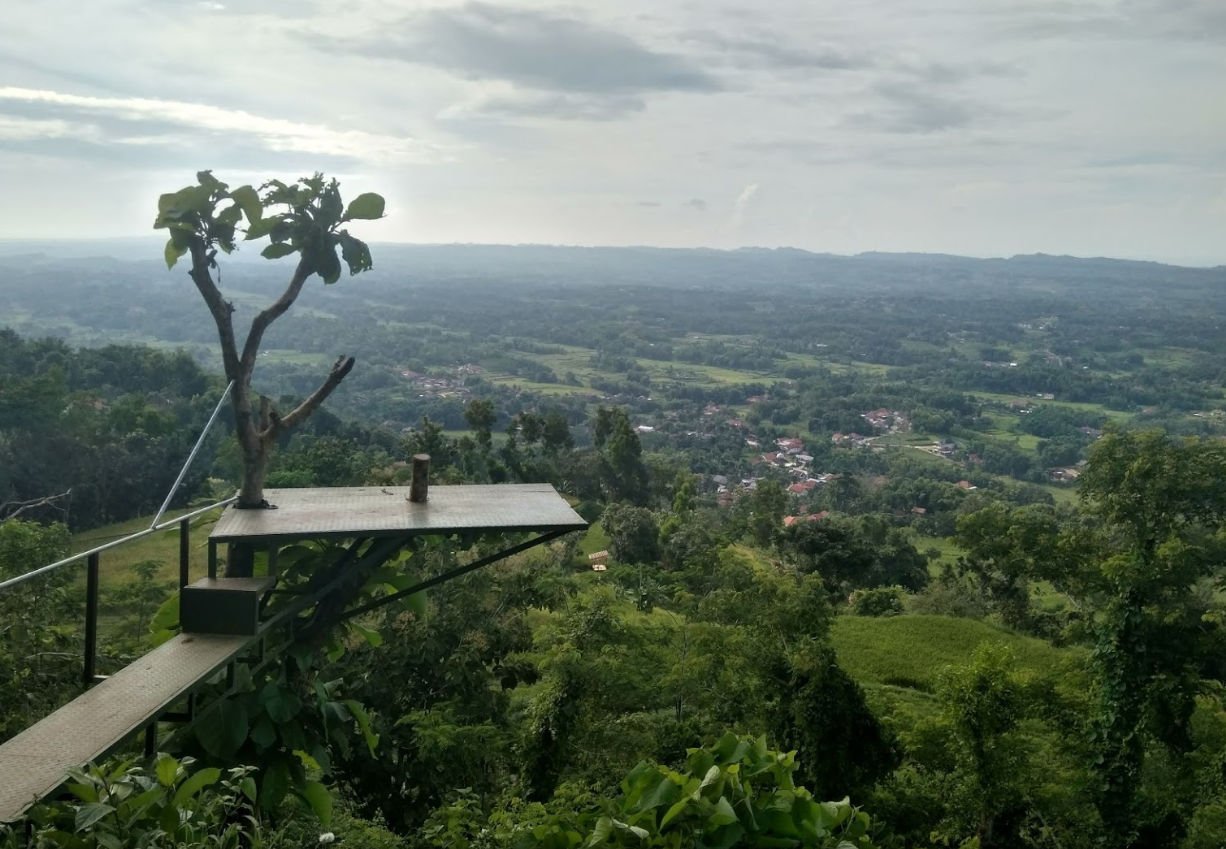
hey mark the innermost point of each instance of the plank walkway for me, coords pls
(37, 760)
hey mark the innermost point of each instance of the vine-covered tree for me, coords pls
(306, 218)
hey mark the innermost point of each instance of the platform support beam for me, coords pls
(185, 553)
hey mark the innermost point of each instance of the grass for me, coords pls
(909, 652)
(1113, 415)
(526, 385)
(115, 565)
(1062, 494)
(949, 550)
(594, 539)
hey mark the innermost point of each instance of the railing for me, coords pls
(93, 560)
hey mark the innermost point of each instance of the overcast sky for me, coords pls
(981, 127)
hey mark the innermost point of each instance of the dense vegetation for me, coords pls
(952, 535)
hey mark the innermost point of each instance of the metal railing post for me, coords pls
(91, 619)
(185, 527)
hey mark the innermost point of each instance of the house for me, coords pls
(919, 511)
(644, 429)
(790, 445)
(789, 521)
(967, 485)
(802, 487)
(599, 561)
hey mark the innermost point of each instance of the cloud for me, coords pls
(1142, 20)
(772, 51)
(910, 107)
(696, 203)
(536, 50)
(537, 106)
(113, 118)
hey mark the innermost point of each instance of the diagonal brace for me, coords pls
(455, 573)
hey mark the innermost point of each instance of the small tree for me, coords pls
(304, 218)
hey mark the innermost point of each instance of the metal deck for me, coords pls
(371, 511)
(36, 761)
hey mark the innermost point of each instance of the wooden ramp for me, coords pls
(37, 760)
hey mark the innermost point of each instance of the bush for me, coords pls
(879, 601)
(119, 804)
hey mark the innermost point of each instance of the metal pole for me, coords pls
(192, 456)
(185, 529)
(91, 620)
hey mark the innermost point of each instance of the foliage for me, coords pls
(634, 536)
(39, 659)
(110, 427)
(170, 804)
(735, 792)
(878, 601)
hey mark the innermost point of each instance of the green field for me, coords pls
(898, 659)
(115, 565)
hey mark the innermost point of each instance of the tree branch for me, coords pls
(278, 425)
(251, 349)
(22, 506)
(218, 306)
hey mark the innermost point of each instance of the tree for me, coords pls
(622, 471)
(481, 417)
(766, 507)
(634, 535)
(304, 218)
(1150, 533)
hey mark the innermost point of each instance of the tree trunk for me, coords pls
(255, 468)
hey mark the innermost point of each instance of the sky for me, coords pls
(977, 127)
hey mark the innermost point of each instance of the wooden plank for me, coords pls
(36, 761)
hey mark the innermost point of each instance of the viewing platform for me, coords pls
(34, 763)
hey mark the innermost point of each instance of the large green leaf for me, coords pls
(277, 250)
(281, 703)
(89, 814)
(261, 228)
(370, 635)
(248, 201)
(363, 719)
(365, 206)
(355, 253)
(172, 254)
(723, 813)
(327, 265)
(167, 770)
(221, 731)
(263, 733)
(320, 800)
(274, 785)
(193, 785)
